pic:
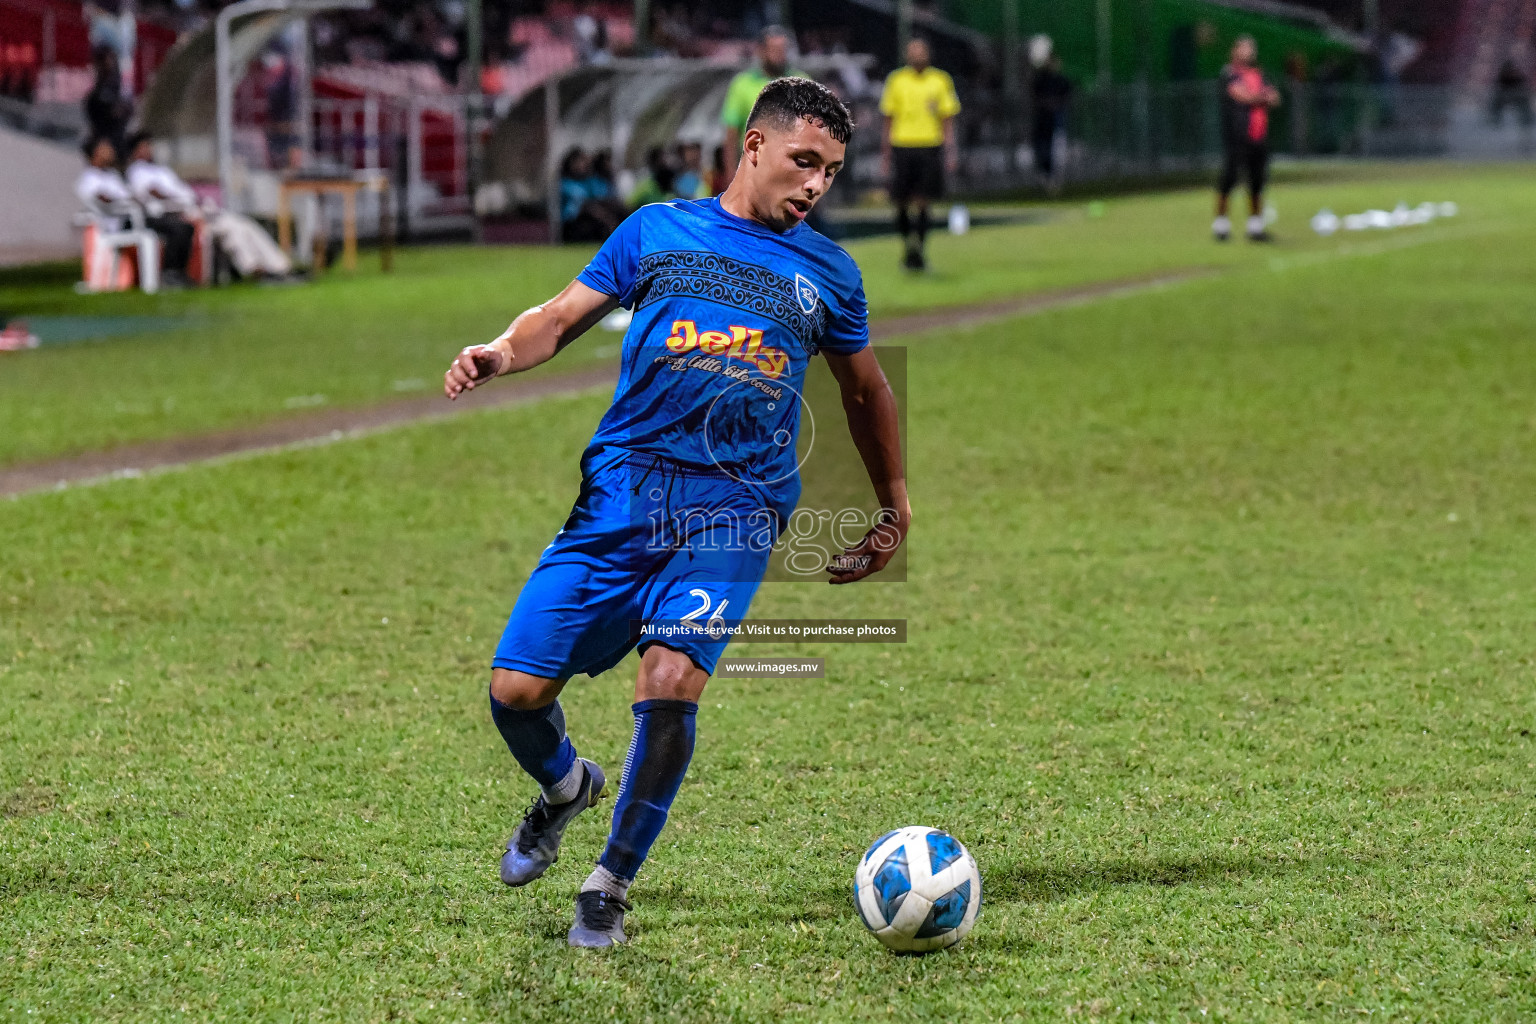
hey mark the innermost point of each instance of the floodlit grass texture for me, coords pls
(1220, 664)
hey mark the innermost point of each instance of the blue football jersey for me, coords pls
(727, 315)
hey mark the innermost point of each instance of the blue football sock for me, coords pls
(653, 772)
(537, 739)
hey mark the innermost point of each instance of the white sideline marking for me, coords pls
(318, 441)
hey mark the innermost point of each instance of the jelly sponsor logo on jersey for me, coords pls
(743, 343)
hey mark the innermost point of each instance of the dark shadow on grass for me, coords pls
(1041, 883)
(780, 905)
(1016, 882)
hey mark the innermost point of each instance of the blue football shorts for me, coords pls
(648, 542)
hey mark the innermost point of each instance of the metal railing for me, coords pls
(1121, 133)
(422, 144)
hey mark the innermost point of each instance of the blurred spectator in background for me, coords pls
(587, 210)
(602, 176)
(112, 28)
(591, 32)
(825, 39)
(690, 176)
(716, 176)
(772, 62)
(166, 198)
(672, 31)
(446, 55)
(575, 170)
(157, 188)
(917, 145)
(605, 195)
(105, 193)
(101, 187)
(163, 215)
(1246, 100)
(659, 183)
(19, 67)
(283, 152)
(1052, 92)
(188, 17)
(107, 110)
(1511, 90)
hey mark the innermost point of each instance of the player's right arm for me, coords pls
(949, 106)
(533, 338)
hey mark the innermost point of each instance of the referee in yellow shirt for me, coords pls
(918, 144)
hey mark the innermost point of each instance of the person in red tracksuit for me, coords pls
(1246, 100)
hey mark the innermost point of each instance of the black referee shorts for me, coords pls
(1244, 158)
(917, 172)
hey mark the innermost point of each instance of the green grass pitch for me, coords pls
(1220, 659)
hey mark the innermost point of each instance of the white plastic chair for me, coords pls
(106, 242)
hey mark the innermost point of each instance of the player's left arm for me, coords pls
(871, 410)
(887, 112)
(533, 338)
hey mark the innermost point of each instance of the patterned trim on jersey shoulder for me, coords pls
(747, 286)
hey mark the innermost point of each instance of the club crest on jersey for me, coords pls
(743, 343)
(807, 294)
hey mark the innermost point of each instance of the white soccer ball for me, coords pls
(917, 889)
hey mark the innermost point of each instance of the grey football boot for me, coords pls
(599, 920)
(536, 843)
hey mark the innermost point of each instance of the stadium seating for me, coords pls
(380, 78)
(541, 61)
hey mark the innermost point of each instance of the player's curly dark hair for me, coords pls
(786, 100)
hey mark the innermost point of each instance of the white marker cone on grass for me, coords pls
(959, 219)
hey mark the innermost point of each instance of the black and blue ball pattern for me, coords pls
(917, 889)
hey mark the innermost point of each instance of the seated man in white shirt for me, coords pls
(118, 222)
(164, 194)
(104, 192)
(101, 187)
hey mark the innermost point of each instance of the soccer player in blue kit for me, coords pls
(690, 477)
